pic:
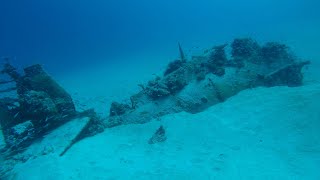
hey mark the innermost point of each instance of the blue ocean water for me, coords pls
(73, 34)
(103, 53)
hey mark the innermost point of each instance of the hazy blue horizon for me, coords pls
(74, 34)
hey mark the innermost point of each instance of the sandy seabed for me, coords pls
(262, 133)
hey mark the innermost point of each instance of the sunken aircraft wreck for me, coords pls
(41, 106)
(195, 84)
(188, 84)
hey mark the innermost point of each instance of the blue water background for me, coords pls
(65, 35)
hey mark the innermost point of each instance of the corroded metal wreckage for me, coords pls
(202, 81)
(188, 84)
(41, 106)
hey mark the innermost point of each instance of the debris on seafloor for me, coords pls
(158, 136)
(190, 85)
(41, 106)
(78, 136)
(91, 127)
(195, 84)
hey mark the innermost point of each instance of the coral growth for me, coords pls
(157, 89)
(42, 105)
(170, 84)
(273, 52)
(21, 135)
(211, 78)
(176, 81)
(38, 80)
(37, 105)
(217, 60)
(118, 109)
(11, 71)
(176, 64)
(173, 66)
(289, 75)
(189, 86)
(244, 48)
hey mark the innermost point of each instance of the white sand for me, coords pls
(264, 133)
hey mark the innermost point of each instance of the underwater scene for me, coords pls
(168, 90)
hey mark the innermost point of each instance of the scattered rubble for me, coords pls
(158, 136)
(41, 106)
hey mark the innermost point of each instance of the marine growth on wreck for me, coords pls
(195, 84)
(189, 84)
(41, 105)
